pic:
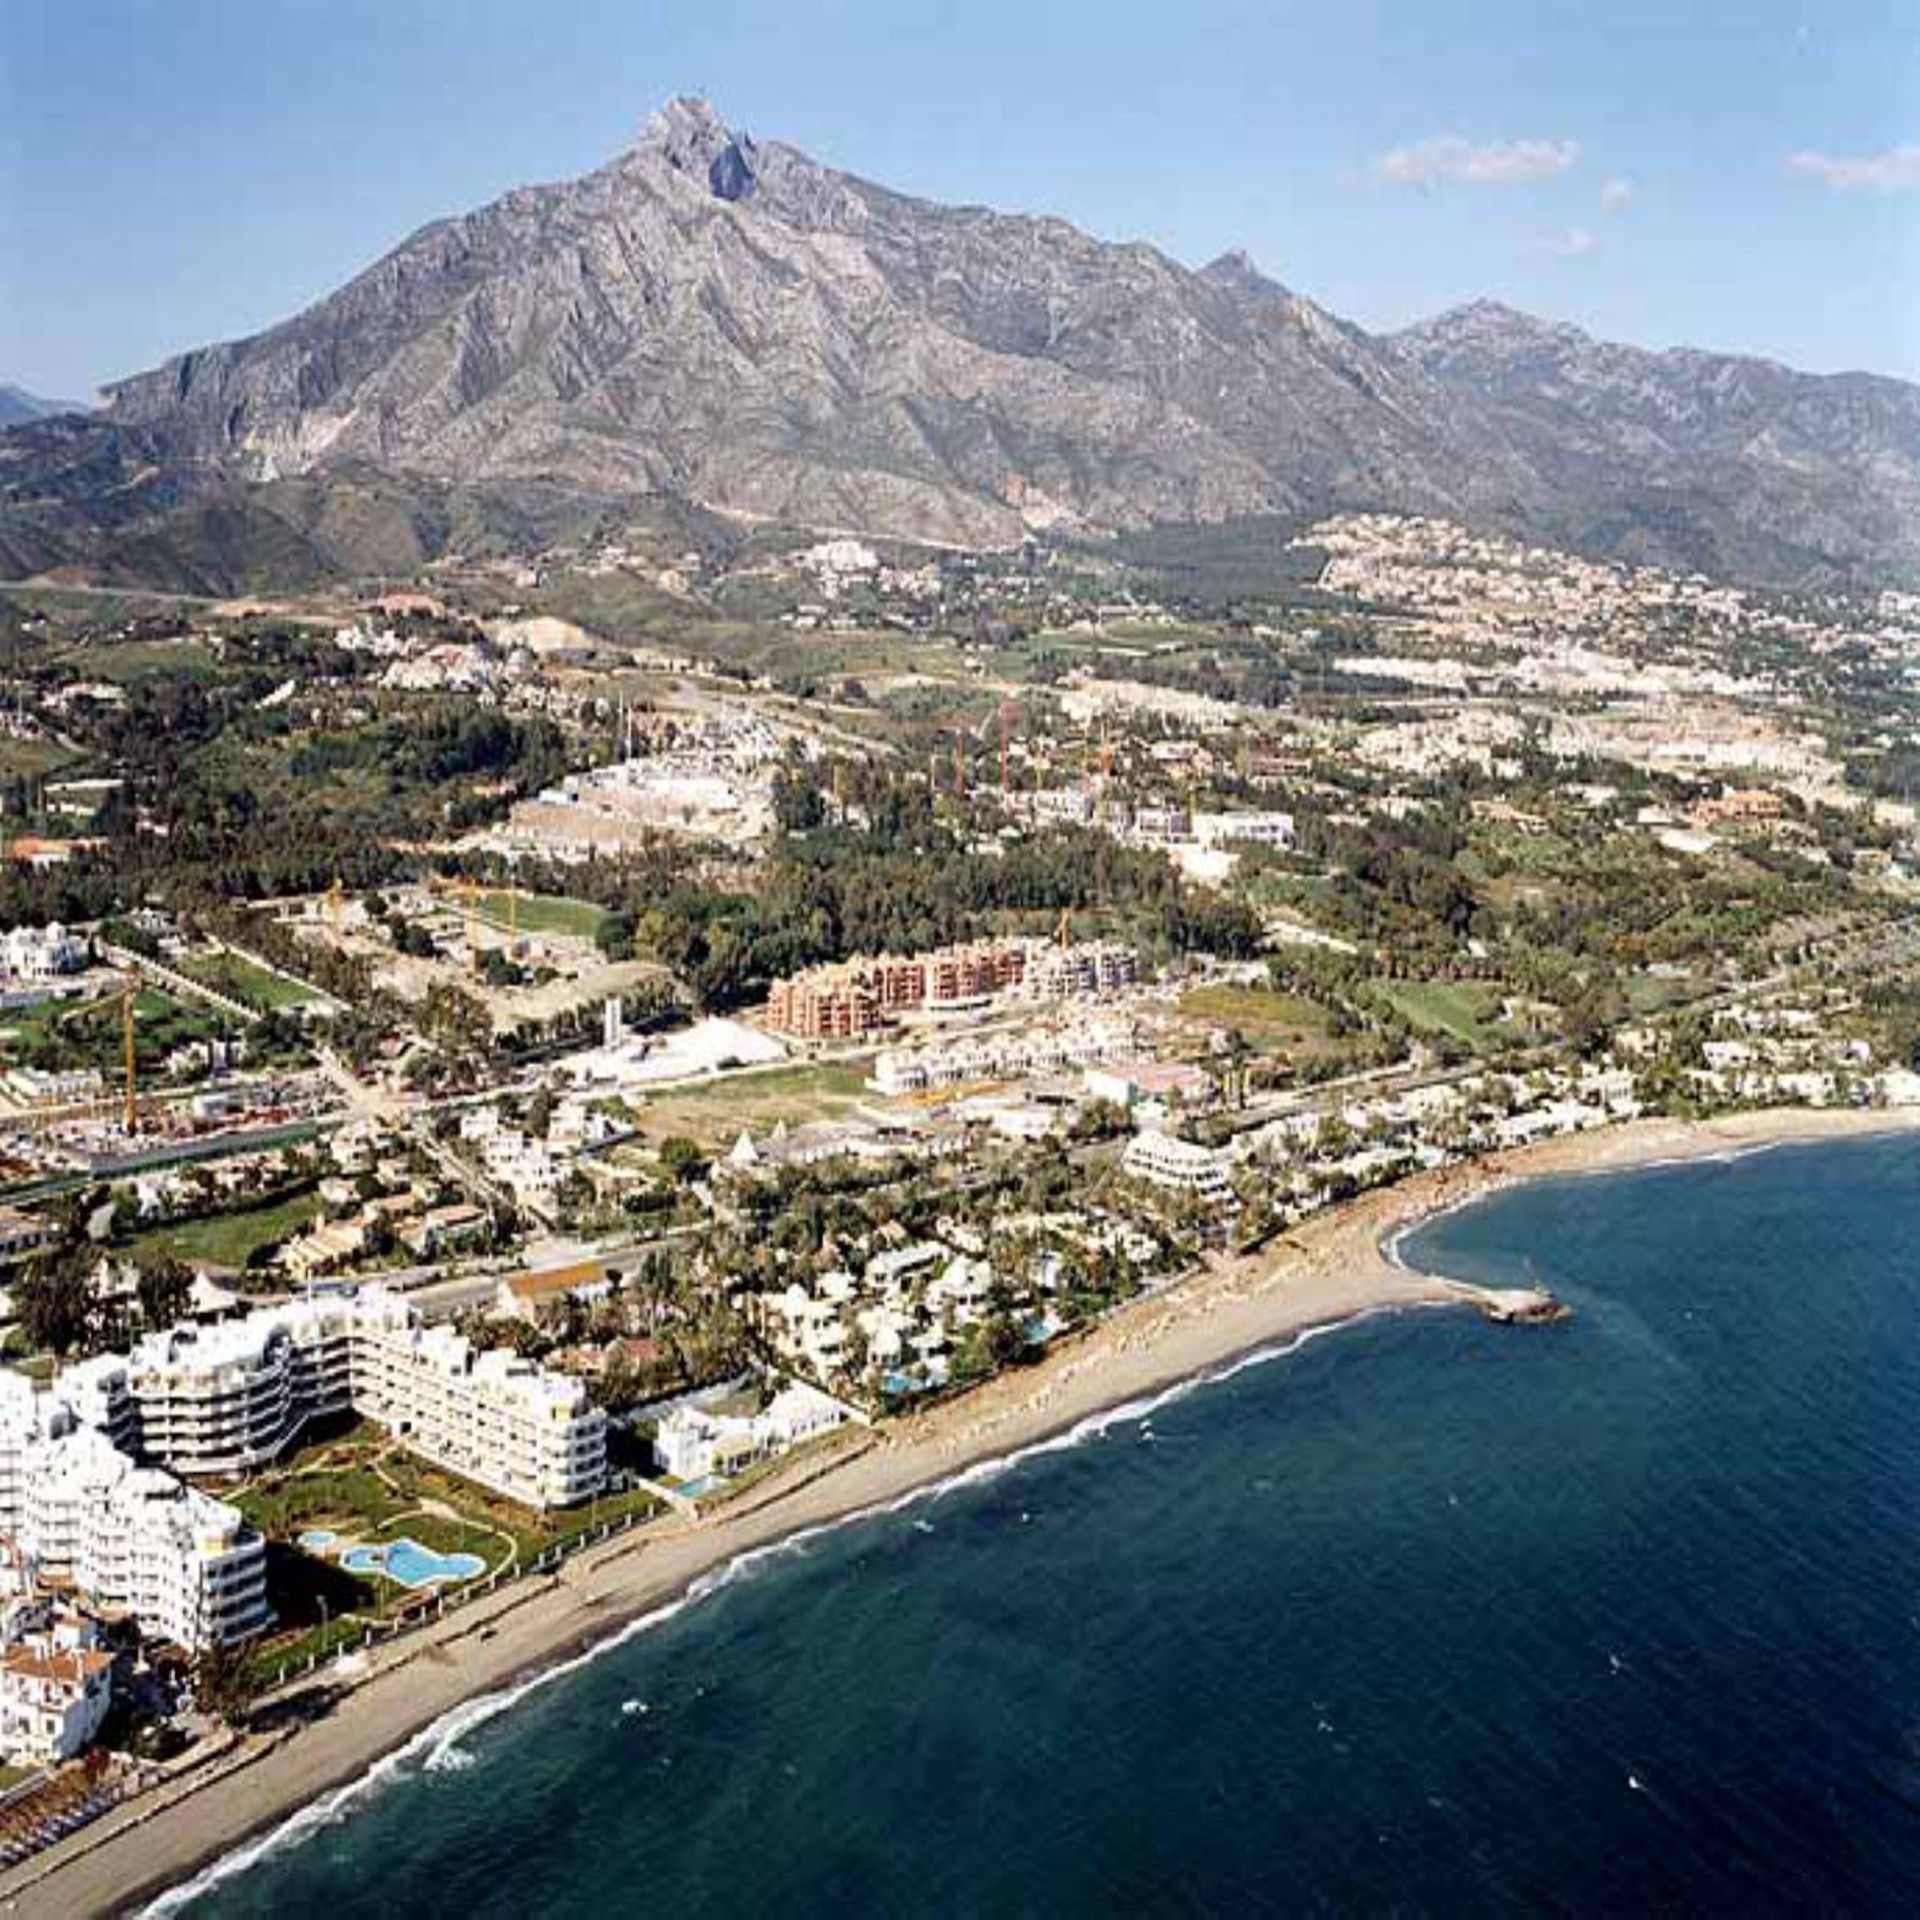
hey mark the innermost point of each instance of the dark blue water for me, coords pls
(1431, 1616)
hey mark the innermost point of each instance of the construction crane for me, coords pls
(133, 1085)
(1063, 933)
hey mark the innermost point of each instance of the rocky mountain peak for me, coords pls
(1490, 326)
(691, 137)
(1235, 267)
(848, 356)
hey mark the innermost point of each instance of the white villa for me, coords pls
(56, 1682)
(691, 1444)
(41, 953)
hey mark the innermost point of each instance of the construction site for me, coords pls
(530, 958)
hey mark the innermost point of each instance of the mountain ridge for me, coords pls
(733, 322)
(18, 406)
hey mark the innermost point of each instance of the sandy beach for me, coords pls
(1325, 1272)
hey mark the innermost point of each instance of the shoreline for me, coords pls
(418, 1697)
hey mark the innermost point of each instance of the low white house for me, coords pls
(692, 1444)
(42, 953)
(55, 1687)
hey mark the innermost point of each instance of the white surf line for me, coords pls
(435, 1748)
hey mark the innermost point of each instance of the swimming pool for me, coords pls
(318, 1540)
(409, 1564)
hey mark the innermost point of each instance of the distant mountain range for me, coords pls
(733, 324)
(17, 405)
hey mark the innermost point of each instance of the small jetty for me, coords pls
(1520, 1306)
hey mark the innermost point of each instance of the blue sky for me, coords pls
(1734, 176)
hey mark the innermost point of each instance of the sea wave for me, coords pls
(437, 1748)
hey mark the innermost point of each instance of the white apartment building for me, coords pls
(229, 1399)
(130, 1539)
(1179, 1166)
(1082, 970)
(1014, 1055)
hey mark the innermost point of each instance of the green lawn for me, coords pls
(1651, 992)
(241, 980)
(228, 1239)
(541, 913)
(360, 1484)
(34, 759)
(127, 660)
(88, 1033)
(1466, 1009)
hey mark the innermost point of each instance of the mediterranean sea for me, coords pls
(1424, 1616)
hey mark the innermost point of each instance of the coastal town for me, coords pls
(526, 1065)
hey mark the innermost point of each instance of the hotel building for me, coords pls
(127, 1539)
(88, 1486)
(1178, 1166)
(216, 1402)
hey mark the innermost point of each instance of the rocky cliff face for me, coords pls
(732, 322)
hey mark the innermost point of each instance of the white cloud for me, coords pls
(1449, 159)
(1615, 194)
(1573, 242)
(1895, 171)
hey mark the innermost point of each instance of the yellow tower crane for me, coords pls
(133, 1085)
